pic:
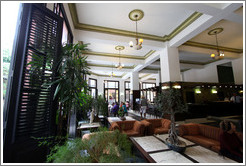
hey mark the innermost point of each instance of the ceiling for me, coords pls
(184, 25)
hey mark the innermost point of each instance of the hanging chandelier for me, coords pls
(112, 73)
(220, 54)
(119, 65)
(136, 15)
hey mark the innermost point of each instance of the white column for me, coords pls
(169, 62)
(134, 84)
(158, 80)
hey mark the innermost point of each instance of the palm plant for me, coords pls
(170, 102)
(71, 89)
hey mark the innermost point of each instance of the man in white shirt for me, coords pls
(235, 98)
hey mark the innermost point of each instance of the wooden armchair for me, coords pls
(130, 128)
(156, 126)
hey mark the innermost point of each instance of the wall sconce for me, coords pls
(177, 86)
(198, 91)
(165, 87)
(214, 91)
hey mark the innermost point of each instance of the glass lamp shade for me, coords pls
(222, 53)
(131, 43)
(140, 41)
(212, 55)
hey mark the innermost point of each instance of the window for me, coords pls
(127, 91)
(29, 109)
(9, 20)
(147, 92)
(111, 91)
(93, 87)
(67, 36)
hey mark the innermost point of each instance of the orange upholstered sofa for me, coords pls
(204, 135)
(156, 126)
(130, 128)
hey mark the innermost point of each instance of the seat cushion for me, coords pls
(131, 133)
(160, 130)
(166, 123)
(201, 140)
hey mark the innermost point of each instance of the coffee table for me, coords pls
(155, 150)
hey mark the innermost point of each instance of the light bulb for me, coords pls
(140, 41)
(131, 44)
(222, 53)
(212, 55)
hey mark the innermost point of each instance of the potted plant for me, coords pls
(169, 101)
(71, 85)
(121, 113)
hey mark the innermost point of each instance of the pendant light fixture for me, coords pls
(220, 54)
(112, 73)
(119, 65)
(136, 15)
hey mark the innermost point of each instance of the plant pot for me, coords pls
(122, 118)
(177, 148)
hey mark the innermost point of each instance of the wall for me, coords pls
(209, 72)
(237, 67)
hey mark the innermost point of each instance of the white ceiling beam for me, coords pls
(146, 71)
(99, 68)
(201, 24)
(126, 76)
(147, 77)
(114, 59)
(184, 65)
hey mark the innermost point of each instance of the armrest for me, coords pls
(145, 123)
(136, 126)
(114, 126)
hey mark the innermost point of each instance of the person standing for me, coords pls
(235, 98)
(124, 109)
(115, 109)
(143, 107)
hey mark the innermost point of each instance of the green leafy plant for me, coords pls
(101, 147)
(71, 86)
(101, 106)
(170, 102)
(121, 112)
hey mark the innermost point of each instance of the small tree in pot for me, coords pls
(170, 102)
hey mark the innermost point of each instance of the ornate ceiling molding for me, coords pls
(214, 47)
(121, 55)
(109, 66)
(104, 75)
(81, 26)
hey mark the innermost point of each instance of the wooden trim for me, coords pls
(142, 151)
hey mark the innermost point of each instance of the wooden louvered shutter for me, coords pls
(30, 110)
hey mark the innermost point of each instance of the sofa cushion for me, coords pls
(155, 122)
(192, 129)
(209, 131)
(131, 133)
(166, 123)
(161, 130)
(201, 140)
